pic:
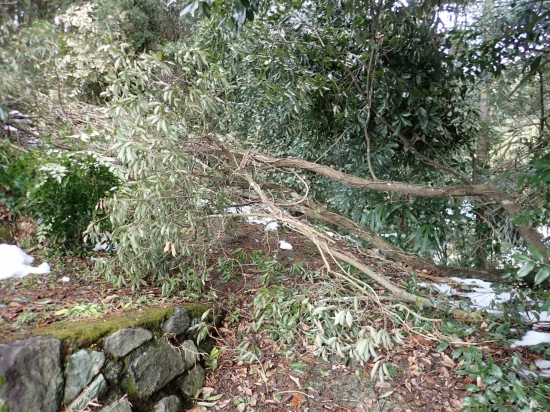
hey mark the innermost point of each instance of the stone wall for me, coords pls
(132, 369)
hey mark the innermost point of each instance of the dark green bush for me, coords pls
(67, 191)
(16, 176)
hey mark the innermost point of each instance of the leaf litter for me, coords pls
(277, 377)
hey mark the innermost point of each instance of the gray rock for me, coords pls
(190, 353)
(178, 323)
(169, 404)
(193, 381)
(122, 405)
(31, 378)
(82, 367)
(122, 342)
(112, 371)
(152, 366)
(96, 389)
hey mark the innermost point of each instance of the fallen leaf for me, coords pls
(296, 381)
(207, 391)
(447, 360)
(109, 298)
(297, 400)
(422, 340)
(479, 383)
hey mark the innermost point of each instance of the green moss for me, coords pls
(196, 310)
(2, 380)
(4, 408)
(89, 333)
(86, 333)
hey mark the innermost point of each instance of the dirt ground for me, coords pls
(281, 378)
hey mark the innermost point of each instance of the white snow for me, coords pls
(100, 246)
(14, 262)
(441, 287)
(285, 245)
(482, 295)
(532, 337)
(9, 128)
(544, 366)
(270, 224)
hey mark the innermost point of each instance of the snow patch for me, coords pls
(483, 295)
(270, 224)
(544, 366)
(532, 337)
(285, 245)
(14, 262)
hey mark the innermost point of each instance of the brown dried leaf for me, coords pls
(447, 360)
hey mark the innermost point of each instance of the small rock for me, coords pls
(193, 381)
(112, 372)
(178, 323)
(190, 353)
(122, 405)
(122, 342)
(152, 366)
(169, 404)
(96, 389)
(82, 367)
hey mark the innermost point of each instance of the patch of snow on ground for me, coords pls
(271, 226)
(532, 337)
(544, 366)
(441, 287)
(14, 262)
(269, 223)
(482, 293)
(285, 245)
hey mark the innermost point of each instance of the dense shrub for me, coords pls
(67, 192)
(61, 189)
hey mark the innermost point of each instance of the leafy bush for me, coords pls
(16, 177)
(66, 194)
(499, 388)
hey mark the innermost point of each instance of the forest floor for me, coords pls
(282, 377)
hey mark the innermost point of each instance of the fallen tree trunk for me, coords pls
(484, 190)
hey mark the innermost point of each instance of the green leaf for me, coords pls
(537, 254)
(190, 8)
(542, 275)
(528, 267)
(495, 371)
(518, 390)
(206, 9)
(521, 258)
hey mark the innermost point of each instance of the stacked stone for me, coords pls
(133, 366)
